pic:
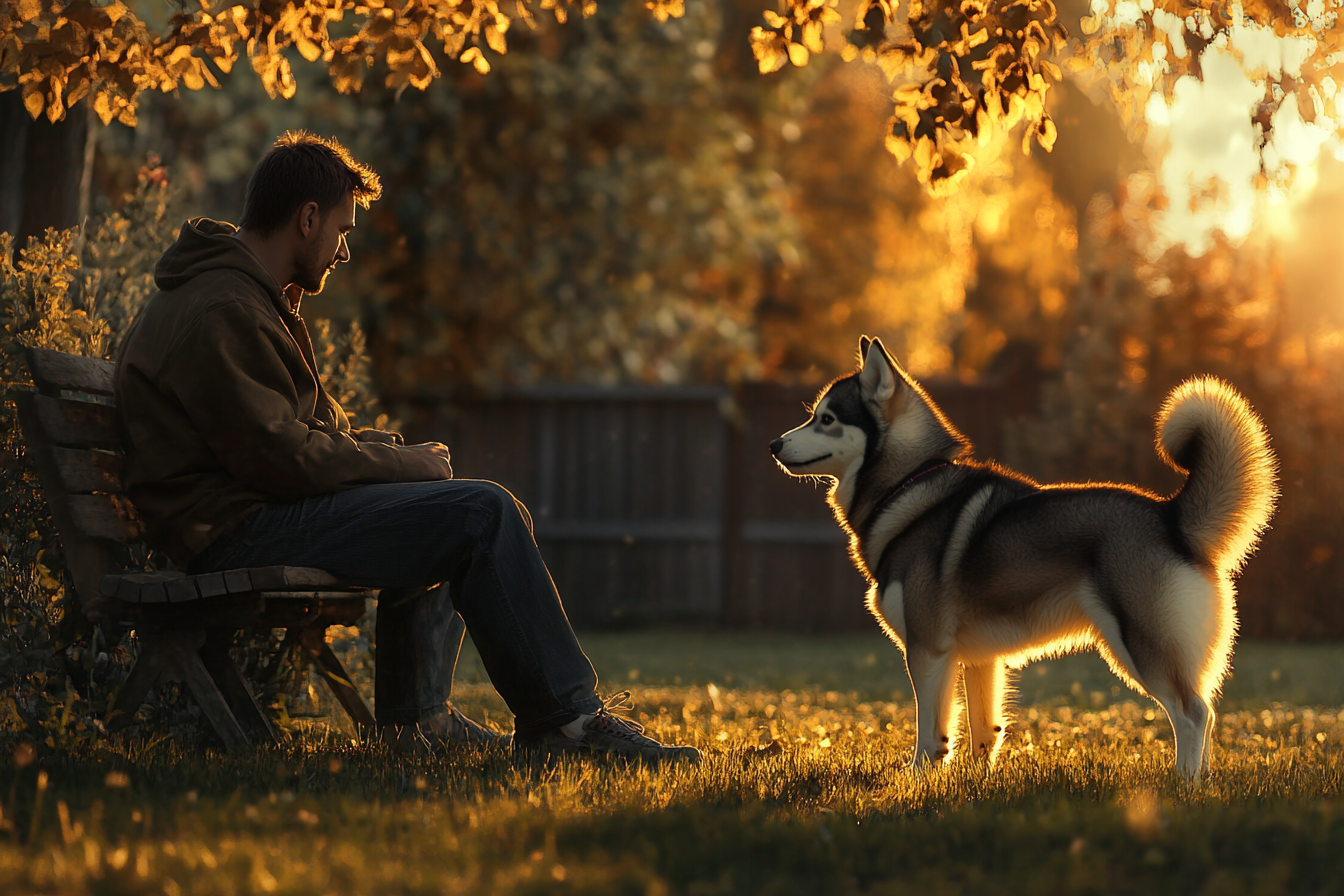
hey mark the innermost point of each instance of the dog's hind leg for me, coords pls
(1182, 655)
(1190, 720)
(984, 707)
(934, 677)
(1191, 715)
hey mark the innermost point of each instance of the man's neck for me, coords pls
(275, 257)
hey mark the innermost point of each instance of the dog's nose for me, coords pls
(776, 446)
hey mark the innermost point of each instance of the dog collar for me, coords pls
(898, 487)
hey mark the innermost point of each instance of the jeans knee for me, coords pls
(490, 495)
(498, 505)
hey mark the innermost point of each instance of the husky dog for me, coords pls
(975, 567)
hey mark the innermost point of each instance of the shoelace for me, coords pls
(621, 726)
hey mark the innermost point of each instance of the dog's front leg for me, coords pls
(985, 686)
(933, 675)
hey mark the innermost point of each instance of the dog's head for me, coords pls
(877, 418)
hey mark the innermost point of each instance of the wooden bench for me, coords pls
(186, 624)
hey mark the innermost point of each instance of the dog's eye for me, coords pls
(827, 419)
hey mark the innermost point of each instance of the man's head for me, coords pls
(301, 202)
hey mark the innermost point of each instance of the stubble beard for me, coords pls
(314, 274)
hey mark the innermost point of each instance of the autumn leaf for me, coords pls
(307, 49)
(666, 9)
(55, 103)
(286, 80)
(1045, 134)
(192, 78)
(476, 58)
(103, 107)
(495, 39)
(29, 9)
(33, 100)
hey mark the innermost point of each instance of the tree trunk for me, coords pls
(41, 169)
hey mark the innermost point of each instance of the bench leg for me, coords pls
(187, 665)
(152, 661)
(314, 641)
(234, 687)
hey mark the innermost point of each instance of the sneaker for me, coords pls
(609, 736)
(448, 729)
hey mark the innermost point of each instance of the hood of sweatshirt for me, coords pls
(207, 245)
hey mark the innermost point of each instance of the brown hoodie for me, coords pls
(220, 405)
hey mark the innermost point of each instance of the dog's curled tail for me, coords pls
(1209, 432)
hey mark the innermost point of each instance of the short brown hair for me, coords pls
(301, 168)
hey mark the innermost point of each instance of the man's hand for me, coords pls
(438, 449)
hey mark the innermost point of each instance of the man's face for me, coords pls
(326, 246)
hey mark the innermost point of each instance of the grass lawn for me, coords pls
(1082, 802)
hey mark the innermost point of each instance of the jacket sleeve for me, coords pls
(377, 435)
(230, 376)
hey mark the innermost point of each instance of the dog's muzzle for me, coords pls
(776, 446)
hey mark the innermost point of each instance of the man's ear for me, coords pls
(309, 217)
(877, 379)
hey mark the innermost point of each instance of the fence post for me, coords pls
(735, 615)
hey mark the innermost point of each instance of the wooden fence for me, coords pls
(663, 505)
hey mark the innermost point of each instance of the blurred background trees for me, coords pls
(627, 200)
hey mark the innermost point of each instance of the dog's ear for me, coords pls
(877, 379)
(864, 342)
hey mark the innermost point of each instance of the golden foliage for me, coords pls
(667, 9)
(40, 306)
(35, 301)
(58, 52)
(959, 69)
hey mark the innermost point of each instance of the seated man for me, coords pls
(237, 457)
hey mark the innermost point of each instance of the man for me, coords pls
(236, 456)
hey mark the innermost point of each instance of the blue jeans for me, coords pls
(446, 554)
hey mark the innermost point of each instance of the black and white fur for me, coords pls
(977, 569)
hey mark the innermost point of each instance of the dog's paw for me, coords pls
(928, 757)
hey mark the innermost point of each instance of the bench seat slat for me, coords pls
(75, 373)
(83, 471)
(267, 578)
(211, 584)
(182, 590)
(338, 596)
(308, 577)
(126, 586)
(77, 424)
(237, 581)
(173, 586)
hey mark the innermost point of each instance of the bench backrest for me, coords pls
(70, 431)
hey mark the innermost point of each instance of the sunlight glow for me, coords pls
(1210, 170)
